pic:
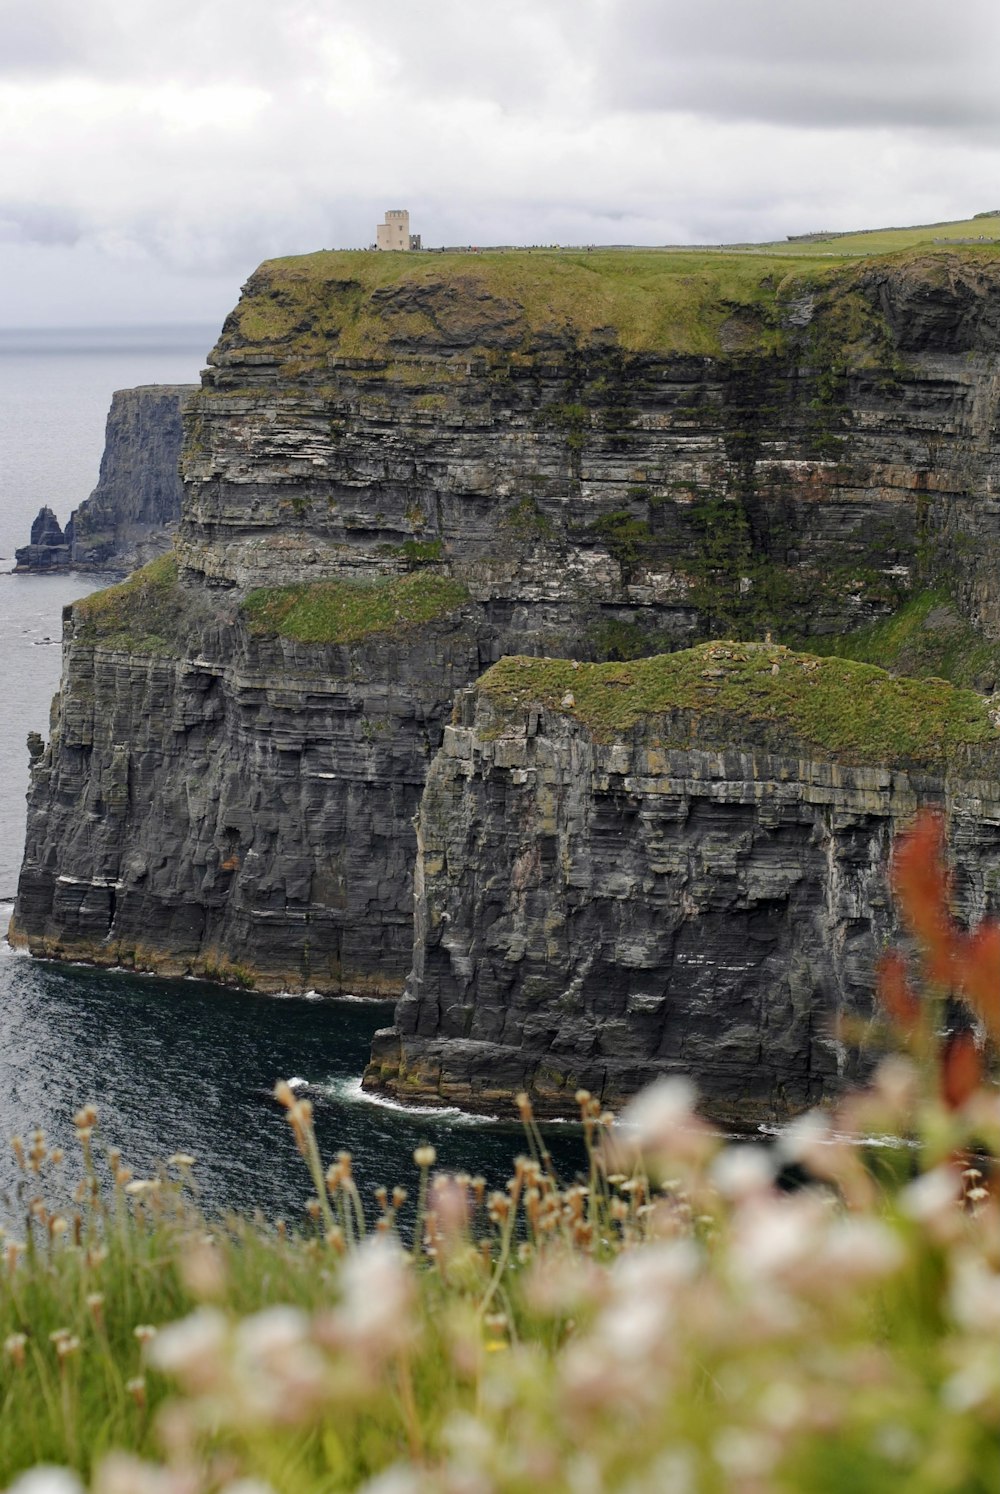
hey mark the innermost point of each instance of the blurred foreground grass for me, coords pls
(676, 1320)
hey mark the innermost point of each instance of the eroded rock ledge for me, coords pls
(676, 865)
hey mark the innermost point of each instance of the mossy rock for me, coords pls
(141, 615)
(349, 611)
(836, 708)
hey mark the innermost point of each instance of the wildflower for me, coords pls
(975, 1296)
(192, 1349)
(123, 1473)
(932, 1200)
(740, 1171)
(279, 1374)
(374, 1313)
(136, 1388)
(661, 1124)
(95, 1306)
(202, 1269)
(182, 1160)
(46, 1479)
(14, 1347)
(424, 1157)
(144, 1332)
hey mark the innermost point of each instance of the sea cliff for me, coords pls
(133, 512)
(678, 865)
(400, 469)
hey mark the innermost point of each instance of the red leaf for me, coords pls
(961, 1069)
(900, 1004)
(920, 881)
(977, 973)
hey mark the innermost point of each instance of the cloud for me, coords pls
(857, 62)
(187, 140)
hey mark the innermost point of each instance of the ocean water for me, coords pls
(172, 1065)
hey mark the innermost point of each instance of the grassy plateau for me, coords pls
(840, 708)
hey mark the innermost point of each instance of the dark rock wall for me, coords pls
(246, 805)
(132, 514)
(243, 813)
(599, 914)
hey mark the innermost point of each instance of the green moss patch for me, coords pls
(141, 615)
(926, 637)
(347, 611)
(837, 707)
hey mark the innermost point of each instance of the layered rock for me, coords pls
(132, 514)
(48, 549)
(605, 464)
(702, 891)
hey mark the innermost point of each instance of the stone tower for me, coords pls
(394, 233)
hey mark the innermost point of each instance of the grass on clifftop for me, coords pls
(984, 229)
(140, 615)
(347, 611)
(700, 300)
(348, 303)
(843, 709)
(926, 637)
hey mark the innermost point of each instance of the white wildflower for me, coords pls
(931, 1199)
(375, 1310)
(741, 1171)
(46, 1479)
(193, 1349)
(857, 1249)
(975, 1297)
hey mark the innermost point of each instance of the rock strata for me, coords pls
(132, 514)
(604, 464)
(705, 896)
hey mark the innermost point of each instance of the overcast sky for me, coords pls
(154, 151)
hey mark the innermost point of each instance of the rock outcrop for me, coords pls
(395, 473)
(132, 514)
(703, 891)
(49, 548)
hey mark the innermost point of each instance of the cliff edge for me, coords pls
(399, 470)
(133, 512)
(678, 865)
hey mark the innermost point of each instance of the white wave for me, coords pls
(350, 1090)
(833, 1138)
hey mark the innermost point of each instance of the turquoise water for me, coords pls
(172, 1065)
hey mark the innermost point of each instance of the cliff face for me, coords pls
(132, 514)
(397, 472)
(699, 892)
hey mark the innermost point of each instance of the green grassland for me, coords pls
(863, 242)
(839, 708)
(347, 611)
(363, 305)
(140, 615)
(925, 637)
